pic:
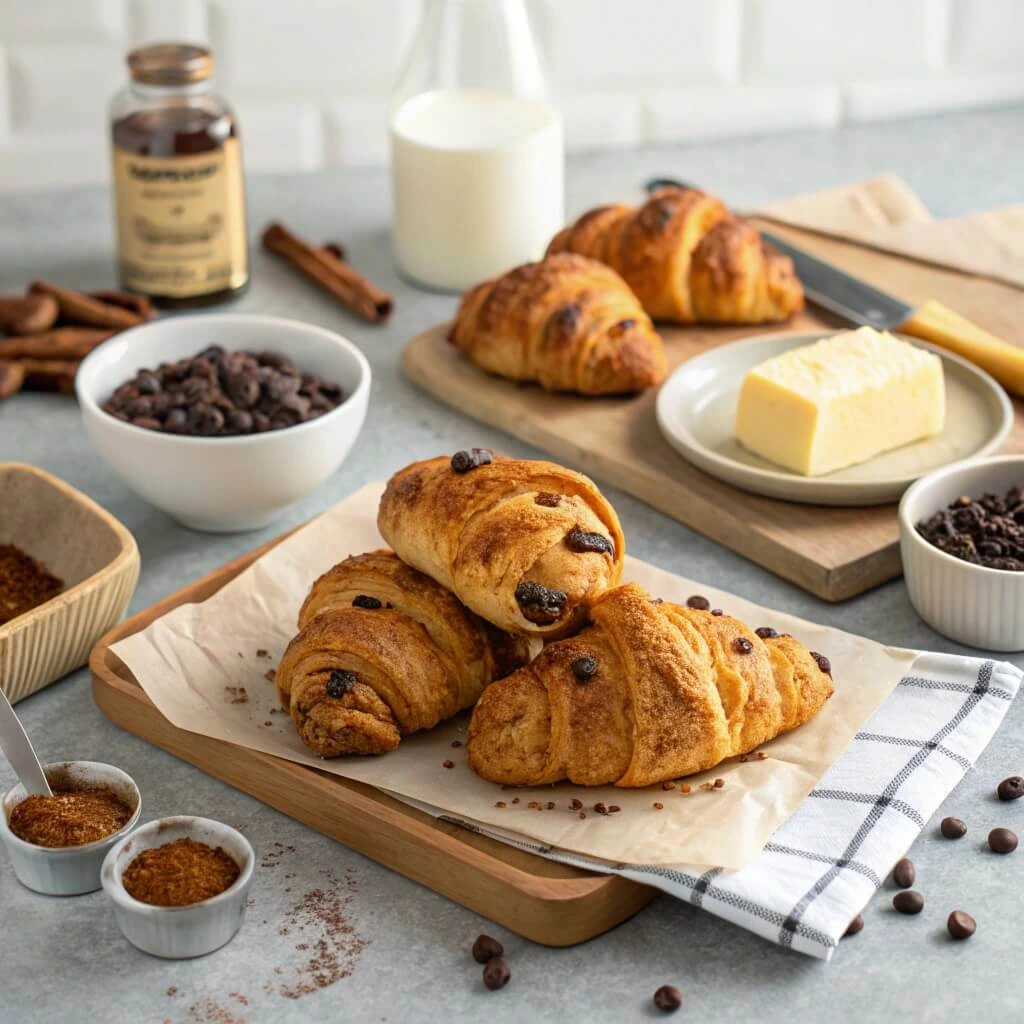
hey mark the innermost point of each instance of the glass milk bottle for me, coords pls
(477, 148)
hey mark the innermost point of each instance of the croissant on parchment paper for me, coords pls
(524, 544)
(383, 651)
(688, 259)
(649, 691)
(568, 323)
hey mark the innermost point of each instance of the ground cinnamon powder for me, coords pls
(179, 873)
(24, 583)
(69, 817)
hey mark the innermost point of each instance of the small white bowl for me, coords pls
(225, 484)
(178, 933)
(968, 603)
(68, 870)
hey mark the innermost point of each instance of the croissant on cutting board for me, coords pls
(568, 323)
(524, 544)
(649, 691)
(688, 259)
(383, 651)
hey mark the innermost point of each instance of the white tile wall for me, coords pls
(310, 78)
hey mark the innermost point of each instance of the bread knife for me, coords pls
(857, 302)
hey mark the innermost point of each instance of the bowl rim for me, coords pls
(362, 388)
(113, 886)
(908, 529)
(71, 851)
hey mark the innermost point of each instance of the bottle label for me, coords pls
(181, 221)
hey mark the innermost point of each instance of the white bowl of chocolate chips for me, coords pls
(224, 420)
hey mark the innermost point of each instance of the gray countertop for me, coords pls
(400, 952)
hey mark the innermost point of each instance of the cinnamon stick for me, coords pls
(49, 375)
(82, 309)
(138, 304)
(12, 376)
(62, 343)
(27, 314)
(350, 288)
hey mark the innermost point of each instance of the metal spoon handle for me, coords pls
(17, 748)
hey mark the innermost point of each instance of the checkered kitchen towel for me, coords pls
(823, 865)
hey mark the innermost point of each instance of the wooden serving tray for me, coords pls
(550, 903)
(834, 553)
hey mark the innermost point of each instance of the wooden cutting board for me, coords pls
(550, 903)
(834, 553)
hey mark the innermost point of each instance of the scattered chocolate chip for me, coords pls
(550, 805)
(668, 785)
(909, 901)
(340, 682)
(1011, 788)
(823, 663)
(719, 783)
(456, 744)
(988, 531)
(1002, 840)
(448, 764)
(496, 974)
(584, 668)
(953, 828)
(600, 808)
(515, 799)
(904, 873)
(539, 604)
(580, 541)
(961, 925)
(668, 998)
(699, 602)
(486, 949)
(464, 461)
(717, 612)
(657, 806)
(575, 804)
(614, 808)
(500, 803)
(741, 645)
(547, 499)
(766, 632)
(365, 601)
(533, 805)
(856, 925)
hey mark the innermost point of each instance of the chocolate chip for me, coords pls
(496, 974)
(575, 805)
(1011, 788)
(986, 531)
(584, 668)
(365, 601)
(599, 808)
(614, 808)
(1002, 840)
(909, 901)
(668, 998)
(856, 925)
(341, 681)
(699, 602)
(953, 828)
(539, 604)
(766, 632)
(961, 925)
(448, 764)
(485, 949)
(823, 663)
(741, 645)
(580, 541)
(717, 611)
(904, 873)
(464, 461)
(547, 499)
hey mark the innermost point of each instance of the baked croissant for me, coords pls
(383, 651)
(688, 259)
(568, 323)
(648, 692)
(526, 545)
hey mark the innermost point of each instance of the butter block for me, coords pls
(841, 401)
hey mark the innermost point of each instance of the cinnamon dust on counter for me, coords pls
(180, 873)
(70, 817)
(24, 583)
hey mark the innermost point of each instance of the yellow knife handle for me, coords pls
(935, 323)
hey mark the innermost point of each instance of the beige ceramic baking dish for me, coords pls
(84, 546)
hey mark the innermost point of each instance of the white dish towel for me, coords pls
(822, 866)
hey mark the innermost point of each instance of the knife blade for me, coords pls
(858, 302)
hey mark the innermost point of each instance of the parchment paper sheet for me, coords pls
(191, 662)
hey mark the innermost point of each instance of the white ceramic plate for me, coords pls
(697, 409)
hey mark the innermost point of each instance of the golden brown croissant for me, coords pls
(649, 692)
(688, 259)
(383, 651)
(527, 545)
(568, 323)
